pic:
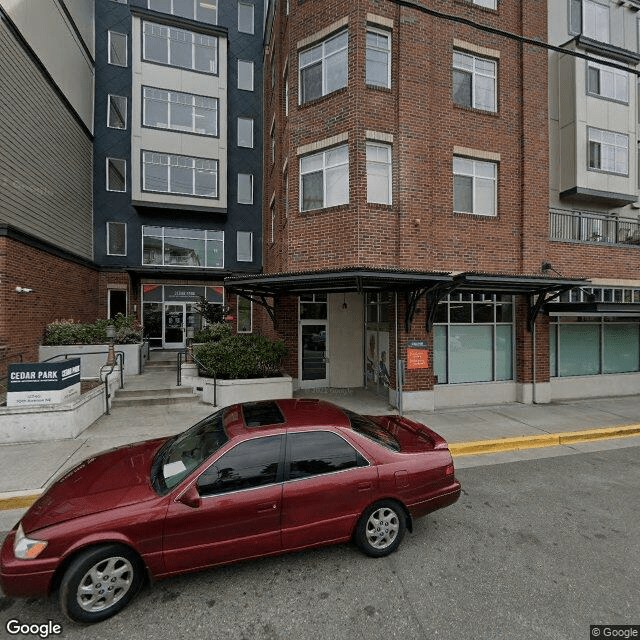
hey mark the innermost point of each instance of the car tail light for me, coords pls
(449, 470)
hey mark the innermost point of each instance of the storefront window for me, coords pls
(473, 338)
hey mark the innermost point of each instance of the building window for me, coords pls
(164, 246)
(116, 239)
(245, 75)
(378, 66)
(244, 246)
(245, 315)
(117, 49)
(589, 18)
(473, 338)
(180, 48)
(245, 132)
(286, 96)
(285, 180)
(117, 112)
(180, 111)
(585, 346)
(474, 81)
(272, 219)
(608, 151)
(324, 179)
(116, 174)
(245, 188)
(201, 10)
(272, 141)
(324, 68)
(474, 186)
(378, 173)
(180, 175)
(489, 4)
(606, 82)
(245, 17)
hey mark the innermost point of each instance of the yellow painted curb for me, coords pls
(544, 440)
(18, 501)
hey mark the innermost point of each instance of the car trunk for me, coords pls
(413, 437)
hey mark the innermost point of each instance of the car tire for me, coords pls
(381, 528)
(100, 582)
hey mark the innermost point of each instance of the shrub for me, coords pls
(213, 332)
(128, 331)
(241, 356)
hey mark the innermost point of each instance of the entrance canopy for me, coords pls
(433, 285)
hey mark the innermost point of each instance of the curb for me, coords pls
(24, 499)
(501, 445)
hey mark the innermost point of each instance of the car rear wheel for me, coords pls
(100, 582)
(381, 528)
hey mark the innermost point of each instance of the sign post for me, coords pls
(43, 383)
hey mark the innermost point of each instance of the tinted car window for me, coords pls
(252, 463)
(371, 430)
(317, 452)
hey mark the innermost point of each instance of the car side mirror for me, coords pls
(190, 497)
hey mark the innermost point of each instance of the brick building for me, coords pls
(407, 191)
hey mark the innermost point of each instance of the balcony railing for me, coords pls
(583, 226)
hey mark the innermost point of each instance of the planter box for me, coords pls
(230, 392)
(38, 423)
(135, 355)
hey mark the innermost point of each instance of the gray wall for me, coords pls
(45, 154)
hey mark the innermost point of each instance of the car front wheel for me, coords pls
(381, 528)
(100, 582)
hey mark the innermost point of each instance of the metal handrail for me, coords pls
(119, 357)
(201, 366)
(590, 227)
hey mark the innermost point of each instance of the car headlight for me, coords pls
(26, 548)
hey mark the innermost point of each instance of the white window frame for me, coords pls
(248, 120)
(374, 177)
(386, 50)
(179, 97)
(325, 166)
(197, 40)
(616, 74)
(174, 160)
(210, 3)
(610, 146)
(250, 330)
(476, 73)
(124, 173)
(244, 235)
(249, 200)
(126, 47)
(595, 6)
(487, 4)
(110, 99)
(248, 66)
(320, 49)
(247, 5)
(113, 222)
(475, 178)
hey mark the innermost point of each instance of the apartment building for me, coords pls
(177, 156)
(47, 57)
(409, 244)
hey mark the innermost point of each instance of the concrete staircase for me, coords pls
(157, 385)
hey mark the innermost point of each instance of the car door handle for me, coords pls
(364, 486)
(267, 507)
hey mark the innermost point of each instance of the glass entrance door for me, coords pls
(313, 354)
(174, 326)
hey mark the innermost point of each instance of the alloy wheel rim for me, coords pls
(107, 582)
(382, 529)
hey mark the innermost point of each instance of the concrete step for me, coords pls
(153, 398)
(155, 391)
(160, 366)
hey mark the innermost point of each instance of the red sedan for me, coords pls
(250, 480)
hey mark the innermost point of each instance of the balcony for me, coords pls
(593, 228)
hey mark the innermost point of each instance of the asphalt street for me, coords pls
(535, 549)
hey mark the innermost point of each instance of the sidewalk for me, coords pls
(26, 469)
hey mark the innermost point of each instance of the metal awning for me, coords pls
(433, 285)
(628, 309)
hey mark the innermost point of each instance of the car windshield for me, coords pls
(183, 453)
(369, 429)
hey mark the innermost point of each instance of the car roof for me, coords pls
(285, 414)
